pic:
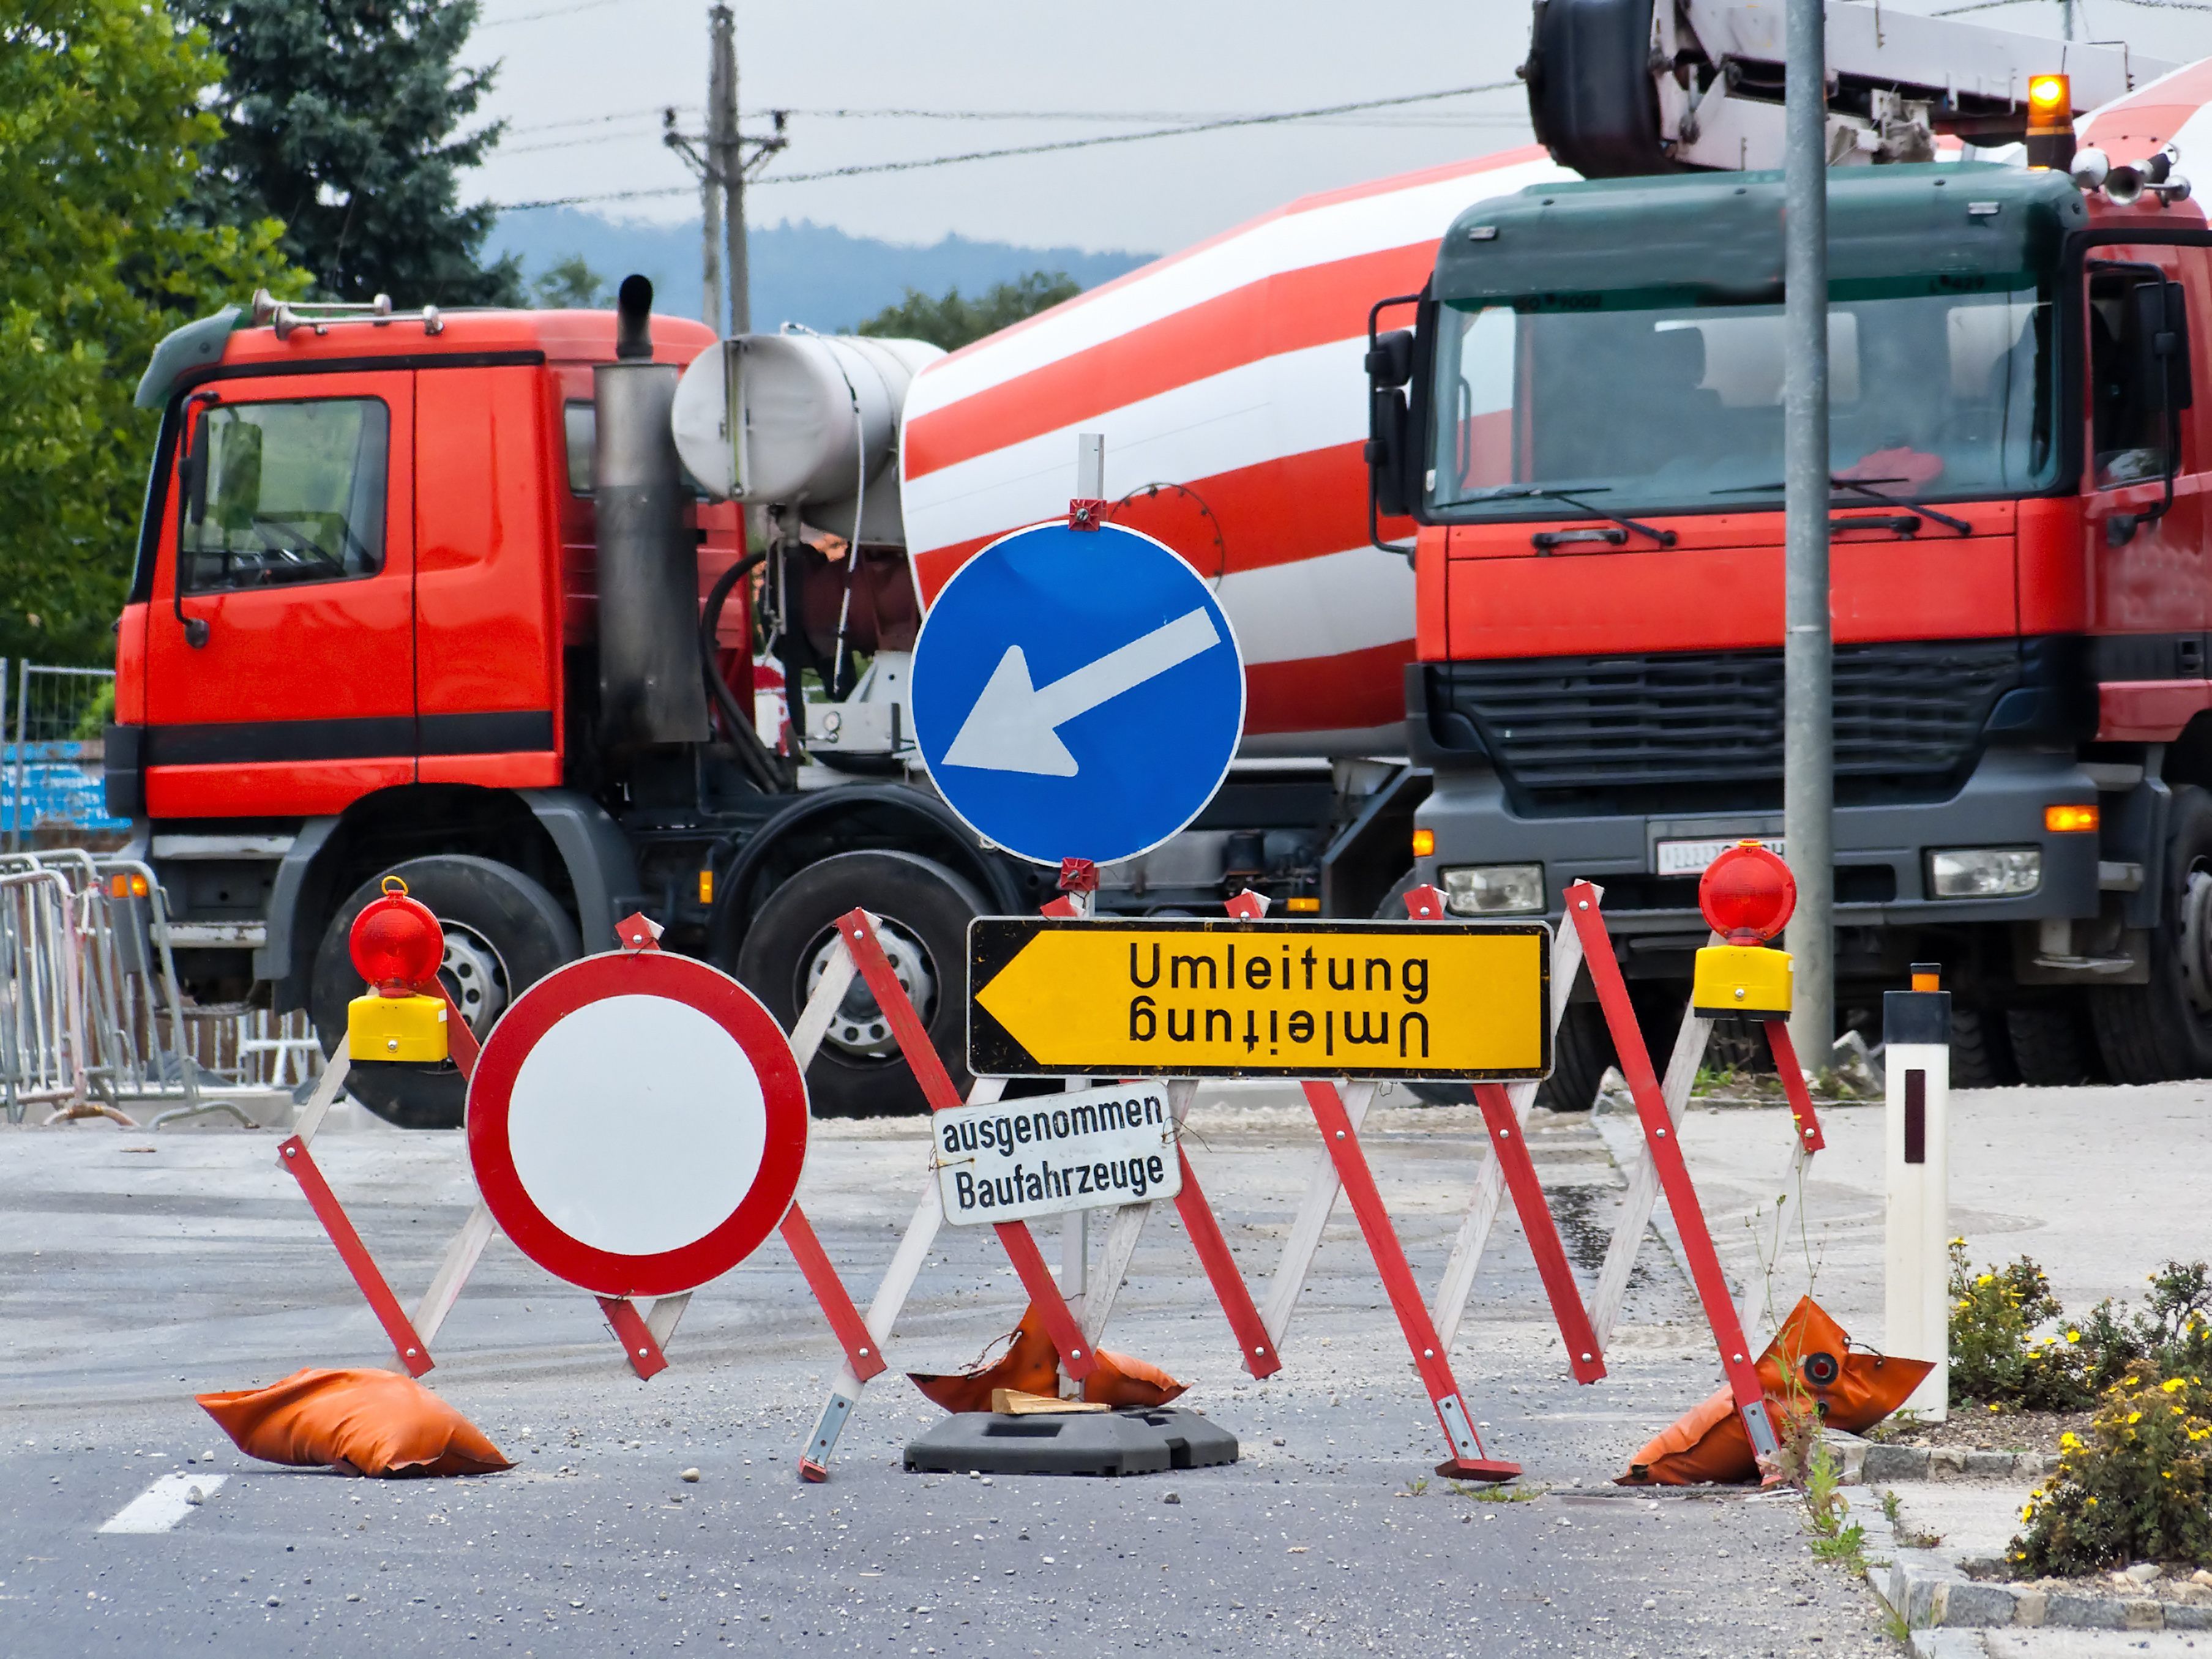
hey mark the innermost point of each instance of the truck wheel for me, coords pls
(2052, 1044)
(925, 910)
(1981, 1057)
(2162, 1031)
(504, 933)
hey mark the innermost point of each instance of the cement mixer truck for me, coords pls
(477, 595)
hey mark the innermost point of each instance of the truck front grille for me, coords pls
(1702, 730)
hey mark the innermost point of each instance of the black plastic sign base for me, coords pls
(1141, 1440)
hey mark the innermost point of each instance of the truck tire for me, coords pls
(2052, 1044)
(925, 909)
(504, 933)
(1981, 1055)
(2162, 1032)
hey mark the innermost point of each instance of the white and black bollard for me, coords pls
(1916, 1027)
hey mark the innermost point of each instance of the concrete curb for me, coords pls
(1871, 1463)
(1936, 1599)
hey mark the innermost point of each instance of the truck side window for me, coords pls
(291, 492)
(2129, 418)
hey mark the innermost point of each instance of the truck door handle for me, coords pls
(1546, 540)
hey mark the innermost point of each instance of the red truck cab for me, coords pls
(2021, 584)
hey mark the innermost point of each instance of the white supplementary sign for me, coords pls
(1690, 858)
(1052, 1153)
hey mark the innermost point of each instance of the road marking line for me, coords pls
(164, 1504)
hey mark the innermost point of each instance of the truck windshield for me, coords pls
(1933, 393)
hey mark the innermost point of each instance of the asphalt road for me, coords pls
(130, 1279)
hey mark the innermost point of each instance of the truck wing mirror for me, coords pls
(1390, 359)
(2158, 326)
(1391, 475)
(192, 469)
(192, 461)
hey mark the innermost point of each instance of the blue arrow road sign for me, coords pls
(1077, 693)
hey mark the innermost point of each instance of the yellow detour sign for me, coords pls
(1193, 998)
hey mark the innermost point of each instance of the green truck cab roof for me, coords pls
(1717, 236)
(195, 345)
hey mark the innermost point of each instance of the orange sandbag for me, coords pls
(1119, 1379)
(1809, 1365)
(1031, 1364)
(361, 1422)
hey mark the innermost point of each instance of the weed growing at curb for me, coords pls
(1508, 1494)
(1834, 1538)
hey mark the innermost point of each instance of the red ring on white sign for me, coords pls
(771, 1102)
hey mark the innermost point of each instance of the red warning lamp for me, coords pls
(1747, 893)
(396, 943)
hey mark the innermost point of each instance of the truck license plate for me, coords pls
(1690, 858)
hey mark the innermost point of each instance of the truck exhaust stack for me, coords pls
(650, 690)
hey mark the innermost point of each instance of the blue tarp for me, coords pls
(60, 784)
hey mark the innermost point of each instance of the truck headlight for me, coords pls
(1494, 890)
(1985, 872)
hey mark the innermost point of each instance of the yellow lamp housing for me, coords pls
(408, 1028)
(1733, 981)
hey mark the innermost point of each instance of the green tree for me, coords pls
(341, 118)
(954, 321)
(100, 121)
(569, 284)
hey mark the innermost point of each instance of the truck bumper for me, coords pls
(1881, 852)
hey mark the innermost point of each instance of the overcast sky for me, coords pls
(581, 83)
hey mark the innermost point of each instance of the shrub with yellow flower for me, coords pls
(2138, 1488)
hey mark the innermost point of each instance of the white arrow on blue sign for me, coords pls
(1077, 693)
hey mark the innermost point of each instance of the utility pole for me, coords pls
(722, 125)
(729, 164)
(1807, 662)
(719, 156)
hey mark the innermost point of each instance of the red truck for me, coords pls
(433, 593)
(1591, 445)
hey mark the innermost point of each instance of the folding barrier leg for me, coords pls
(1457, 1285)
(1666, 1156)
(1311, 1221)
(1805, 1140)
(414, 1354)
(890, 1296)
(1255, 1348)
(1641, 1194)
(1469, 1459)
(858, 929)
(1510, 1151)
(639, 1347)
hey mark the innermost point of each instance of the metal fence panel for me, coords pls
(51, 787)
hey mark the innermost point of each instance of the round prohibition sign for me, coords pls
(637, 1123)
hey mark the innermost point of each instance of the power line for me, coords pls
(910, 114)
(1388, 122)
(551, 11)
(860, 169)
(566, 121)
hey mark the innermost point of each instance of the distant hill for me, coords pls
(802, 272)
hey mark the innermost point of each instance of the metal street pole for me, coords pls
(727, 163)
(1809, 726)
